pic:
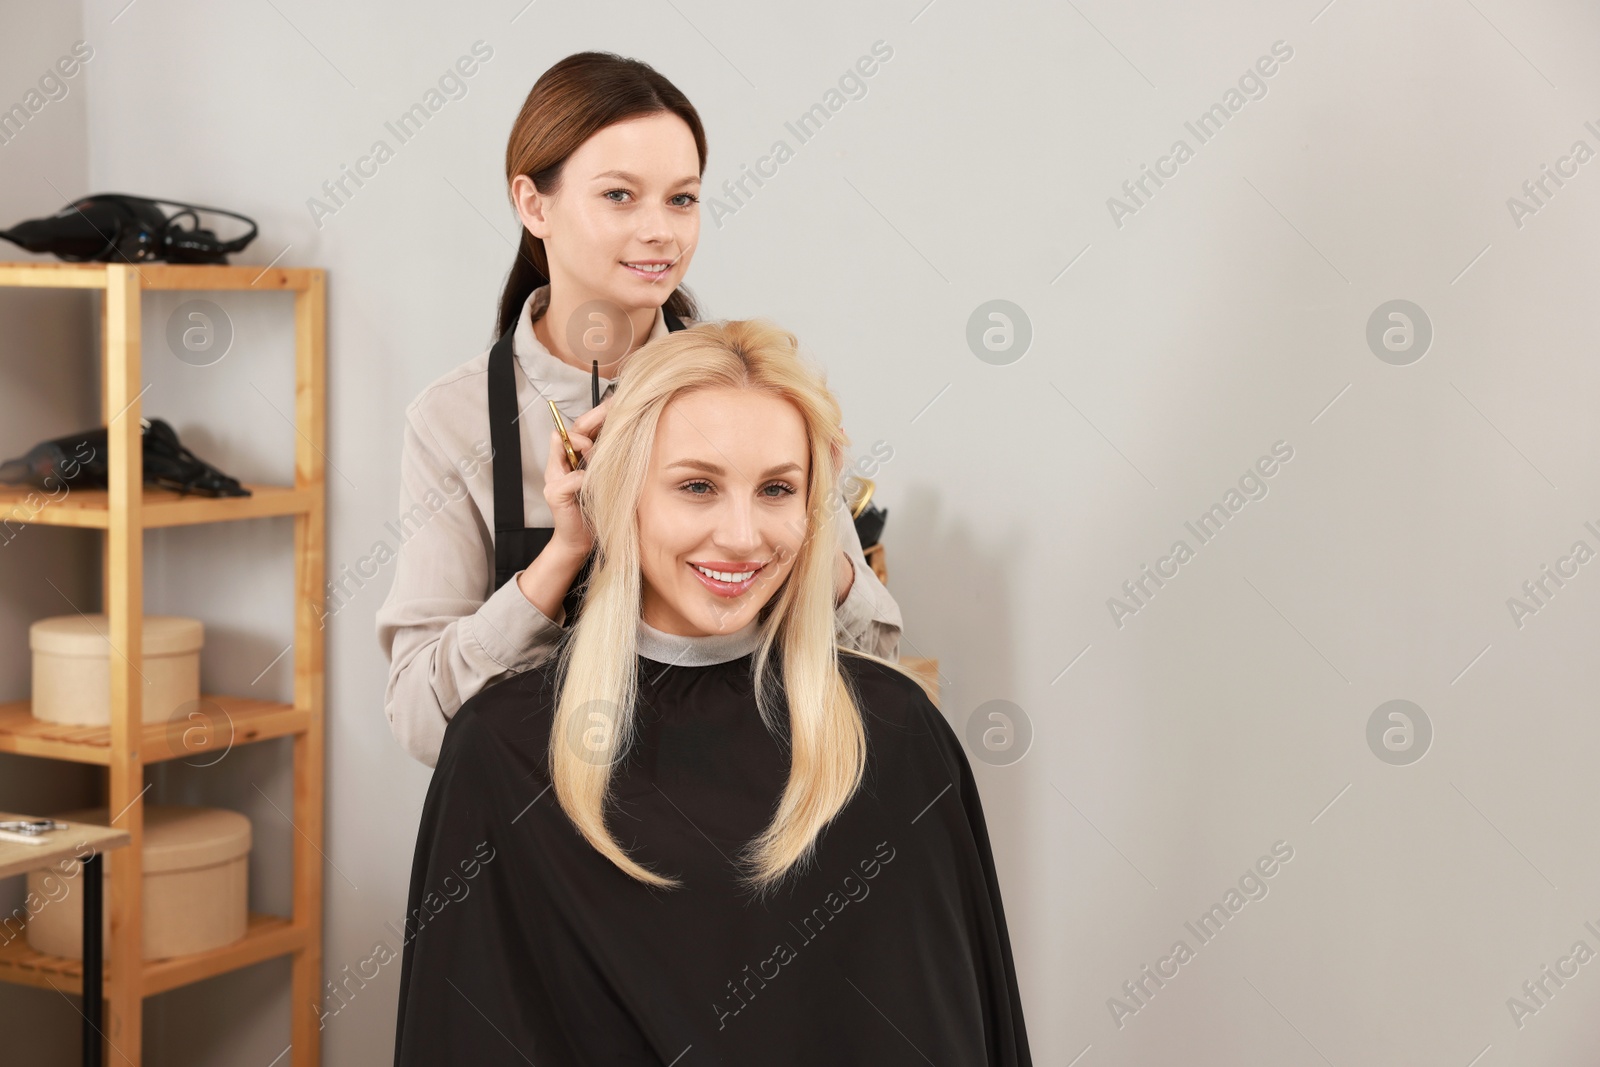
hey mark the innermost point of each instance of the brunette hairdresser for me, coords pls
(577, 98)
(603, 166)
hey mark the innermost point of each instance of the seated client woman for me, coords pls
(702, 833)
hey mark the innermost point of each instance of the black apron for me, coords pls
(515, 545)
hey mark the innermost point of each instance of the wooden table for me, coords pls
(86, 842)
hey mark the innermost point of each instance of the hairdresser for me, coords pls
(604, 165)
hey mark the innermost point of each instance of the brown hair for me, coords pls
(573, 100)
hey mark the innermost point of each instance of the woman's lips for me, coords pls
(725, 589)
(650, 275)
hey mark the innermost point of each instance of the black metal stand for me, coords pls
(93, 1004)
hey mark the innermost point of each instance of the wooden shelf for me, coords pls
(127, 747)
(243, 721)
(204, 277)
(266, 937)
(90, 508)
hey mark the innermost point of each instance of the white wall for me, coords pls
(1228, 313)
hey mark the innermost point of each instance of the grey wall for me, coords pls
(49, 385)
(1174, 343)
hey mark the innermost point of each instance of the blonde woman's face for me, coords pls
(726, 493)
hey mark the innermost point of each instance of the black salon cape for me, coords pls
(525, 946)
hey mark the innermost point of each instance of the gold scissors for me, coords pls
(566, 442)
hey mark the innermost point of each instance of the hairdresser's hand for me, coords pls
(571, 540)
(547, 579)
(844, 576)
(590, 421)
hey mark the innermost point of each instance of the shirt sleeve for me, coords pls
(444, 638)
(869, 619)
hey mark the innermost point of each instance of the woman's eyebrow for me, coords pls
(712, 468)
(622, 175)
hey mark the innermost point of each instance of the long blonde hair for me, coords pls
(597, 669)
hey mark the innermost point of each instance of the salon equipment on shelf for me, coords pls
(869, 517)
(119, 228)
(79, 461)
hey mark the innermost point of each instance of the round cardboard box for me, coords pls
(196, 885)
(72, 667)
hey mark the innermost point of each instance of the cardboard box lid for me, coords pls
(90, 635)
(178, 837)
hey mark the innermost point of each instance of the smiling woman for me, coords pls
(629, 232)
(758, 510)
(684, 802)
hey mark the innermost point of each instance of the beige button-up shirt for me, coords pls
(446, 632)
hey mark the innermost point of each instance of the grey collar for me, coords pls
(679, 651)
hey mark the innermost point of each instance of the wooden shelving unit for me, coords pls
(126, 746)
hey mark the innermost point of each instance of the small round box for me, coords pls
(72, 667)
(196, 885)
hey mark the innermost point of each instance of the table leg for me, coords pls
(93, 1004)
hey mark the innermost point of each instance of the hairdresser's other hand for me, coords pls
(570, 540)
(844, 576)
(590, 421)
